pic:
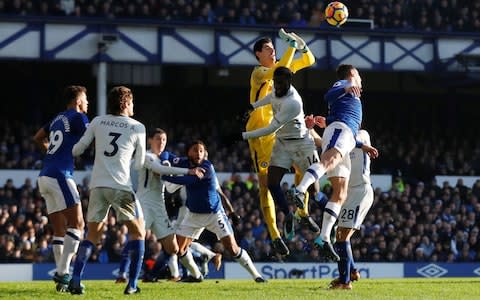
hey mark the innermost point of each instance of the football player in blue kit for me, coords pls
(339, 138)
(205, 211)
(56, 182)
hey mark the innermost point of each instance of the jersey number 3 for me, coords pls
(114, 144)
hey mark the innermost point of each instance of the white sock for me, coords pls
(188, 262)
(313, 173)
(245, 261)
(329, 219)
(57, 247)
(70, 247)
(195, 246)
(173, 265)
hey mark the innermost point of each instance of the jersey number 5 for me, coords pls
(114, 144)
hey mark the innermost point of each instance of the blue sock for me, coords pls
(321, 200)
(125, 259)
(137, 250)
(83, 254)
(344, 264)
(279, 198)
(350, 256)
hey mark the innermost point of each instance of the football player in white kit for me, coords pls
(353, 212)
(358, 203)
(293, 143)
(118, 138)
(150, 192)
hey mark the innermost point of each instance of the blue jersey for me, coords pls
(202, 196)
(344, 107)
(63, 131)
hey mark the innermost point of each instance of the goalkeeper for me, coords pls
(261, 148)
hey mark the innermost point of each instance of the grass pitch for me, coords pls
(372, 289)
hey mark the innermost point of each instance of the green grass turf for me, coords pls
(385, 289)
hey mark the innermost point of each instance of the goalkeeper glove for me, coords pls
(300, 42)
(288, 37)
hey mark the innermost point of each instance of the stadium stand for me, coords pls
(416, 220)
(431, 15)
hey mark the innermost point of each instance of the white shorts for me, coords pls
(193, 224)
(126, 205)
(182, 210)
(155, 214)
(59, 193)
(358, 203)
(302, 153)
(339, 136)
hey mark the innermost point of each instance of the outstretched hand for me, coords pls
(355, 90)
(371, 151)
(199, 172)
(320, 121)
(311, 121)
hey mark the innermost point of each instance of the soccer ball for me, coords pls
(336, 13)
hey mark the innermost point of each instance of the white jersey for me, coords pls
(149, 182)
(117, 139)
(288, 117)
(360, 162)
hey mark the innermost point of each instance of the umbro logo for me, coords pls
(432, 270)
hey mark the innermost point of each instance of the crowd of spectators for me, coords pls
(409, 223)
(424, 15)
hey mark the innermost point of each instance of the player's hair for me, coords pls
(258, 46)
(71, 93)
(154, 131)
(117, 97)
(343, 71)
(196, 142)
(284, 72)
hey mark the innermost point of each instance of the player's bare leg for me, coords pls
(328, 161)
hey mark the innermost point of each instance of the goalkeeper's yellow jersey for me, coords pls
(261, 82)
